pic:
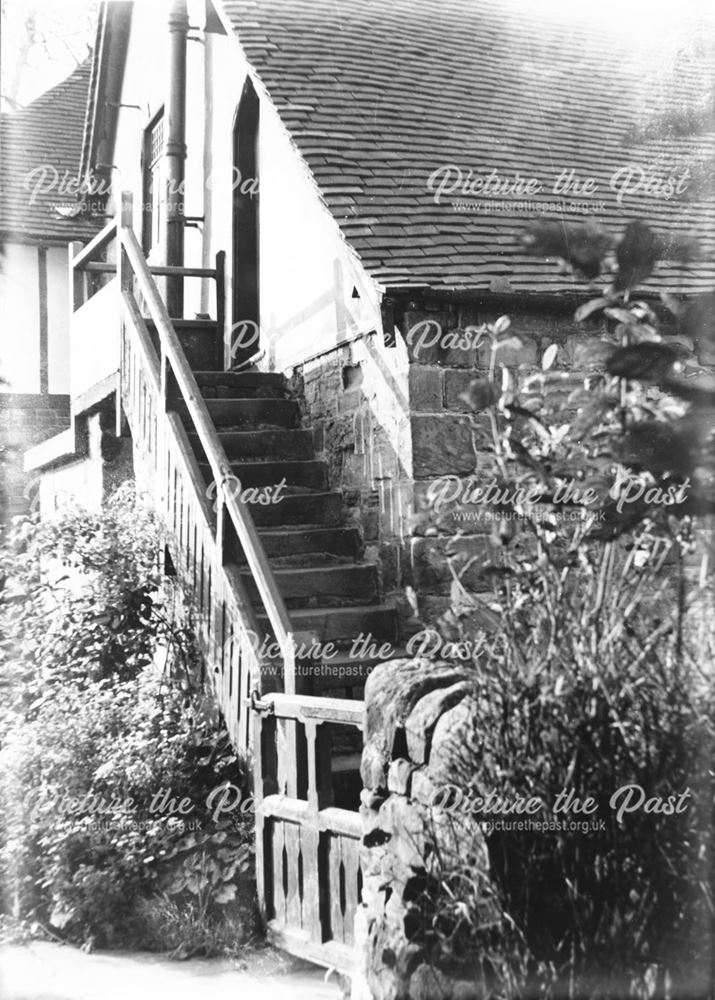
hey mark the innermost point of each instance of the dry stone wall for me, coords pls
(419, 739)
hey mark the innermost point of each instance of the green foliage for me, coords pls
(109, 751)
(591, 614)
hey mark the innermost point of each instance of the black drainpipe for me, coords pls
(175, 151)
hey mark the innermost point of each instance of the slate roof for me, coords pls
(47, 133)
(378, 94)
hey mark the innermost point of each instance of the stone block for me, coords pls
(398, 776)
(350, 400)
(422, 788)
(389, 557)
(441, 445)
(456, 382)
(370, 523)
(425, 384)
(455, 750)
(460, 356)
(424, 717)
(371, 800)
(423, 332)
(373, 767)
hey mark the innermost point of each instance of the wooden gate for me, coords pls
(307, 848)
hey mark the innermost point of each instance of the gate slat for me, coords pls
(294, 909)
(277, 845)
(336, 913)
(351, 860)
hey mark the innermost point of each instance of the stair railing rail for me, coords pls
(308, 869)
(152, 379)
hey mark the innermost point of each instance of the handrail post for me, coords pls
(125, 218)
(221, 309)
(124, 282)
(76, 278)
(288, 653)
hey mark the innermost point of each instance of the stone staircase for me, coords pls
(332, 595)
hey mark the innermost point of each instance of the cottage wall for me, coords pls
(314, 292)
(35, 303)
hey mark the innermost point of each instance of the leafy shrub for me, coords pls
(591, 615)
(110, 752)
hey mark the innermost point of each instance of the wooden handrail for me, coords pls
(156, 269)
(103, 237)
(173, 352)
(302, 707)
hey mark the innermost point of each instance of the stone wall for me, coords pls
(355, 398)
(442, 440)
(442, 437)
(26, 419)
(391, 421)
(419, 738)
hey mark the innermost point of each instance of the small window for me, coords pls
(154, 186)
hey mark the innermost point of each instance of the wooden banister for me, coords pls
(98, 243)
(308, 870)
(173, 354)
(158, 270)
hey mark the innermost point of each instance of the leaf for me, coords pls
(549, 357)
(60, 917)
(622, 315)
(225, 894)
(592, 306)
(645, 332)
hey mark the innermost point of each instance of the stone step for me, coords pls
(304, 543)
(309, 474)
(230, 385)
(334, 624)
(349, 584)
(263, 445)
(254, 413)
(312, 559)
(200, 339)
(303, 509)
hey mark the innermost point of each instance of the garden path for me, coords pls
(42, 970)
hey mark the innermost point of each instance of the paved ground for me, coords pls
(45, 971)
